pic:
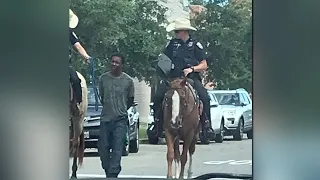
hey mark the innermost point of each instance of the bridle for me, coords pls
(184, 95)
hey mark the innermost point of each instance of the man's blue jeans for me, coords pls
(111, 137)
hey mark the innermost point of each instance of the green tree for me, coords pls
(226, 31)
(131, 27)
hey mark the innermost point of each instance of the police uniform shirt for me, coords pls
(73, 37)
(190, 50)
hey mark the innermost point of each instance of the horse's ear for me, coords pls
(184, 82)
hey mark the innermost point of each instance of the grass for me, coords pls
(143, 130)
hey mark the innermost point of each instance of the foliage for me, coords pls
(227, 33)
(130, 27)
(133, 28)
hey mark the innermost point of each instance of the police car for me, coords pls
(237, 112)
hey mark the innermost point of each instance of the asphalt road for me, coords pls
(227, 157)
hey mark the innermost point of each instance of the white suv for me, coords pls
(237, 112)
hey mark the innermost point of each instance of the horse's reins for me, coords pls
(93, 83)
(186, 99)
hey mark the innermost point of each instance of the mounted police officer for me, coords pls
(188, 59)
(75, 81)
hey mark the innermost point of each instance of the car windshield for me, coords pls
(228, 98)
(91, 97)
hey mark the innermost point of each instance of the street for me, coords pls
(228, 157)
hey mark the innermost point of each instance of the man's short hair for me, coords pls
(117, 54)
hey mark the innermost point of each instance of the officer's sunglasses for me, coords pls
(177, 31)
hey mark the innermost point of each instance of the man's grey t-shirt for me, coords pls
(114, 92)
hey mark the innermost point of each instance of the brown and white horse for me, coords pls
(77, 115)
(181, 113)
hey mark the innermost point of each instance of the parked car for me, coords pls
(237, 112)
(217, 119)
(92, 123)
(217, 123)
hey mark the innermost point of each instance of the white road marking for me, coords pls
(120, 176)
(229, 162)
(242, 162)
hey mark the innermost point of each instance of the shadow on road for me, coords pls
(91, 154)
(231, 139)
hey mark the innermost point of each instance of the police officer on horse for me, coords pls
(188, 59)
(75, 81)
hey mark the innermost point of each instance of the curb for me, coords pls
(144, 141)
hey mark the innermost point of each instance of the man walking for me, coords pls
(117, 95)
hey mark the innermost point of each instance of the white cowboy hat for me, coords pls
(180, 24)
(73, 19)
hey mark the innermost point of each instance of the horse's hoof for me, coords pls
(73, 177)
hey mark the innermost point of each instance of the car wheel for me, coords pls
(250, 134)
(239, 133)
(219, 137)
(125, 151)
(134, 143)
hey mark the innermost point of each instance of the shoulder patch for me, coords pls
(74, 34)
(168, 43)
(199, 45)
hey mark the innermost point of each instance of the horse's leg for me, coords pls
(170, 153)
(192, 149)
(177, 158)
(74, 166)
(183, 160)
(184, 155)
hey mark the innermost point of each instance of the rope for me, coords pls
(93, 83)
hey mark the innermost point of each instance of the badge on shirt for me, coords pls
(190, 44)
(199, 45)
(177, 45)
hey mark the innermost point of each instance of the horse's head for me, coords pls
(175, 101)
(178, 83)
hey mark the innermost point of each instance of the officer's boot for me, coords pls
(209, 126)
(155, 119)
(207, 120)
(159, 121)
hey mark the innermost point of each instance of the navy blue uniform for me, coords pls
(184, 55)
(73, 37)
(74, 79)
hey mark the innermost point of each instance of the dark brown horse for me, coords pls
(77, 114)
(181, 112)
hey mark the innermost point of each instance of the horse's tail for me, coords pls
(81, 149)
